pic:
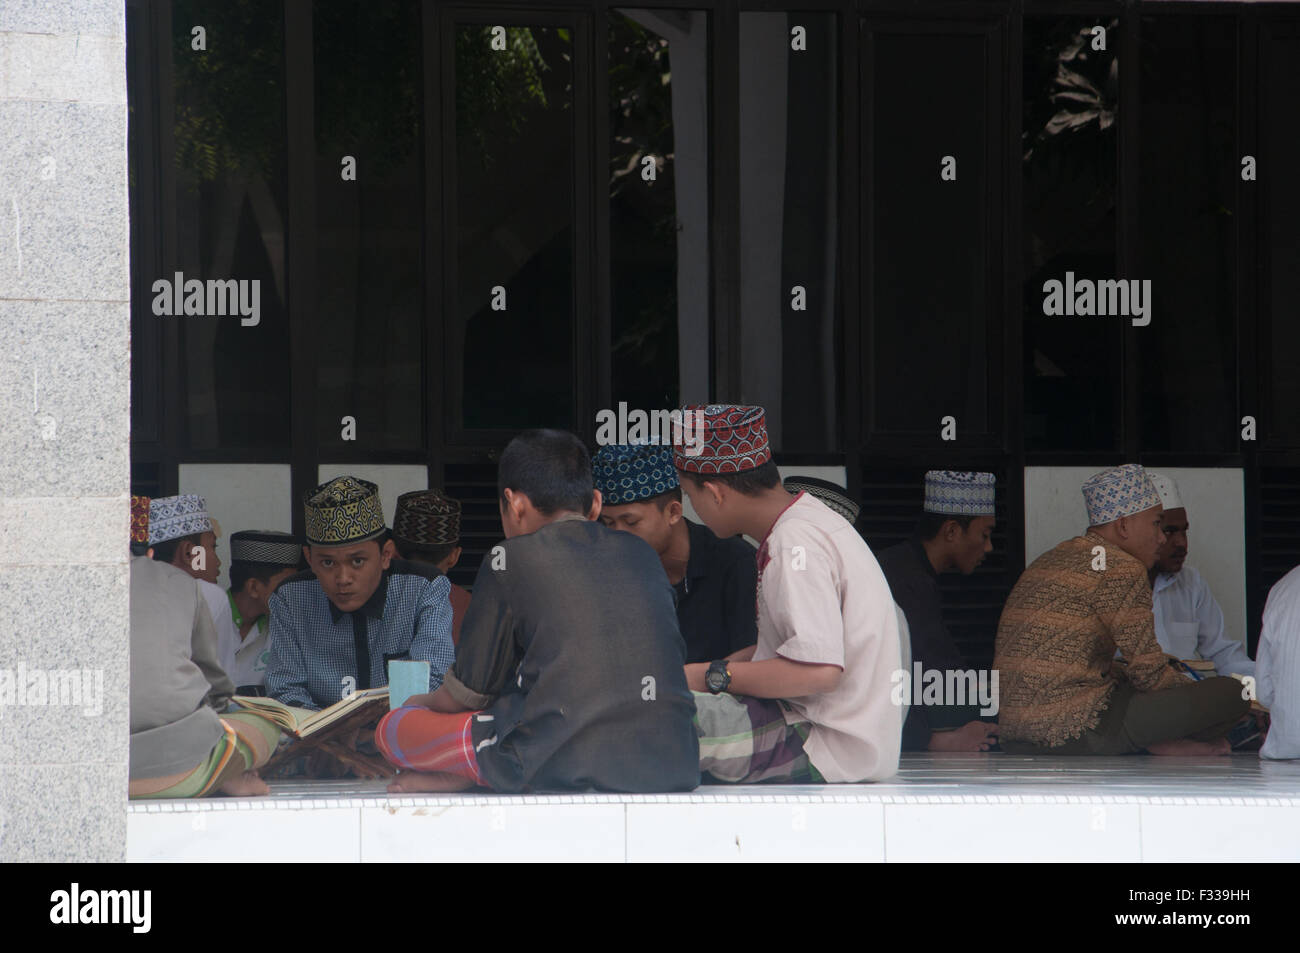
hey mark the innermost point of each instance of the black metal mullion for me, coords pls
(849, 270)
(1013, 387)
(724, 202)
(1250, 332)
(172, 413)
(602, 337)
(434, 376)
(301, 262)
(583, 183)
(1127, 222)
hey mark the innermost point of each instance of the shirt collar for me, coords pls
(1164, 580)
(262, 620)
(918, 550)
(372, 607)
(763, 557)
(696, 562)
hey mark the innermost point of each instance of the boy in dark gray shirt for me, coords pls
(569, 670)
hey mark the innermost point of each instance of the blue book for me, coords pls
(406, 679)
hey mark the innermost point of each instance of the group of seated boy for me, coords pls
(612, 644)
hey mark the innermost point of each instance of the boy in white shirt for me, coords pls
(812, 700)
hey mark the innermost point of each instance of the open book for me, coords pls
(302, 722)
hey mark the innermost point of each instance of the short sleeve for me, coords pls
(802, 603)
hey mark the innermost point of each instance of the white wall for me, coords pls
(241, 496)
(1215, 503)
(834, 474)
(393, 479)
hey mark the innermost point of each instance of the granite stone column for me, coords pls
(64, 430)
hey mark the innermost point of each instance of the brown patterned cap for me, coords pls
(427, 518)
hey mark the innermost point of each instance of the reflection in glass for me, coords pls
(929, 264)
(514, 219)
(1071, 107)
(369, 211)
(659, 257)
(788, 222)
(231, 216)
(1187, 189)
(1280, 209)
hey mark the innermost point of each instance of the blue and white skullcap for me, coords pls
(959, 493)
(1119, 491)
(1167, 489)
(172, 517)
(631, 473)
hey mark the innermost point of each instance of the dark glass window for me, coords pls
(369, 215)
(146, 329)
(232, 219)
(928, 242)
(789, 199)
(659, 228)
(1189, 170)
(1071, 110)
(1280, 239)
(514, 228)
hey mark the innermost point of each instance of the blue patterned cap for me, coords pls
(172, 517)
(959, 493)
(1119, 491)
(630, 473)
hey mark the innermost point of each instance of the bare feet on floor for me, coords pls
(1187, 748)
(248, 784)
(972, 736)
(428, 782)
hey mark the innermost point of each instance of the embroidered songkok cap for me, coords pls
(427, 518)
(1119, 491)
(959, 493)
(1166, 489)
(344, 510)
(720, 438)
(171, 517)
(832, 494)
(140, 519)
(630, 473)
(265, 546)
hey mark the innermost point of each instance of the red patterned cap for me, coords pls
(140, 519)
(721, 438)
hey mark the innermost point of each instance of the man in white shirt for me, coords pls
(1278, 668)
(1189, 622)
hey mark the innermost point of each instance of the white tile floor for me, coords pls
(940, 807)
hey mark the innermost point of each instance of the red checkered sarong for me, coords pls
(417, 739)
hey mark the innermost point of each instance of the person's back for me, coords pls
(569, 673)
(599, 697)
(169, 684)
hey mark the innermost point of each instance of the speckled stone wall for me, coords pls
(64, 430)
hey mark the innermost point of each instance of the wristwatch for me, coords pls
(718, 677)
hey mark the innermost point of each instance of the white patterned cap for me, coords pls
(173, 517)
(1119, 491)
(959, 493)
(1168, 490)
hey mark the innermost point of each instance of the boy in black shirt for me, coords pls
(569, 670)
(714, 579)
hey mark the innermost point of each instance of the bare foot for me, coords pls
(436, 782)
(248, 784)
(972, 736)
(1187, 748)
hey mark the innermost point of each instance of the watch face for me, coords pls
(716, 680)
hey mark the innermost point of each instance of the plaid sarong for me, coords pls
(746, 740)
(417, 739)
